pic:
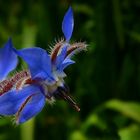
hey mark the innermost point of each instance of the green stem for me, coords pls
(29, 37)
(27, 130)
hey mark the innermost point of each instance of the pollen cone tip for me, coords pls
(77, 108)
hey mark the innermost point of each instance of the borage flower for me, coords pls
(24, 94)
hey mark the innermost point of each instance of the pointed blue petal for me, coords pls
(32, 108)
(66, 63)
(60, 58)
(38, 61)
(8, 59)
(42, 77)
(12, 100)
(68, 24)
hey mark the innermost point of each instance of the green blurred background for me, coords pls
(105, 81)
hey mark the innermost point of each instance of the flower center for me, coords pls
(50, 89)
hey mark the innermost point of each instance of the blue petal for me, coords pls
(42, 77)
(67, 24)
(38, 62)
(11, 101)
(60, 58)
(66, 63)
(32, 108)
(8, 59)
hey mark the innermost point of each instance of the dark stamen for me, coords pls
(70, 101)
(62, 93)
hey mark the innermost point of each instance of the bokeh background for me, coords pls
(105, 81)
